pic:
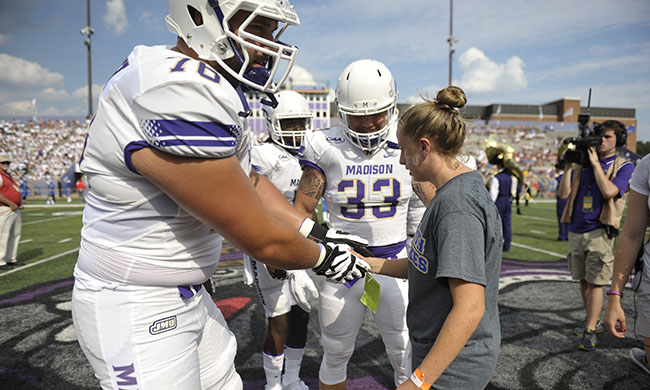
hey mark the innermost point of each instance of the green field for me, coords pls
(53, 231)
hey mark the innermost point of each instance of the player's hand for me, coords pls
(322, 234)
(338, 264)
(302, 289)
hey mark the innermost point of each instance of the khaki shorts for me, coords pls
(643, 306)
(591, 257)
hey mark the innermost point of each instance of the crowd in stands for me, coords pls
(535, 153)
(44, 150)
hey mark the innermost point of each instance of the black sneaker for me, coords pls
(588, 342)
(6, 267)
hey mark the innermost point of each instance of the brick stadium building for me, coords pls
(558, 115)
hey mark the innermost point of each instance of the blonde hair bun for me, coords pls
(451, 97)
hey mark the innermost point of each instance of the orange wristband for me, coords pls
(417, 377)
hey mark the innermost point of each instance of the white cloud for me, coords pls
(17, 108)
(82, 92)
(115, 16)
(480, 74)
(152, 22)
(21, 72)
(52, 94)
(600, 64)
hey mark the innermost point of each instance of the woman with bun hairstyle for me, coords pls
(453, 264)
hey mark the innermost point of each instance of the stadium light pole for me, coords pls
(451, 38)
(88, 31)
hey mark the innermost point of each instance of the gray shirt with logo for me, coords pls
(459, 237)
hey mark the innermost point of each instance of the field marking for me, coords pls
(39, 262)
(52, 206)
(25, 241)
(536, 218)
(532, 248)
(537, 232)
(64, 240)
(49, 219)
(62, 213)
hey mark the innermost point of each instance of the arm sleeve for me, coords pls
(461, 251)
(260, 161)
(494, 188)
(640, 181)
(308, 155)
(188, 119)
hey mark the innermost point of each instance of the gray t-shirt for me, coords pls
(459, 237)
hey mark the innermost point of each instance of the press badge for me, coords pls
(587, 204)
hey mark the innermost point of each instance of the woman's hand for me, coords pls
(615, 318)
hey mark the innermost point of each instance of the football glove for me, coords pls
(338, 264)
(322, 234)
(302, 289)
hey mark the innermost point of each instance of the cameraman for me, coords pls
(596, 198)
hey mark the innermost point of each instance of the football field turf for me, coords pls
(539, 306)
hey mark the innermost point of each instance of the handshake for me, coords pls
(336, 262)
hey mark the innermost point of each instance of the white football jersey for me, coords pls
(367, 195)
(162, 99)
(279, 166)
(283, 171)
(415, 214)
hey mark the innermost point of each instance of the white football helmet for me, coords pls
(291, 113)
(214, 40)
(366, 87)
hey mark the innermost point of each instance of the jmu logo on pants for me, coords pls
(163, 325)
(125, 376)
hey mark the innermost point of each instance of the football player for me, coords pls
(355, 168)
(168, 159)
(285, 295)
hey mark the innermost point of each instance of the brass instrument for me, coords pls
(502, 154)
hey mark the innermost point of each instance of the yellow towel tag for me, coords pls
(370, 296)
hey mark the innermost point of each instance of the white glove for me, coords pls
(338, 264)
(302, 289)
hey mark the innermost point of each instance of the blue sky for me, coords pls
(508, 51)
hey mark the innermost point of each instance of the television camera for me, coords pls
(577, 146)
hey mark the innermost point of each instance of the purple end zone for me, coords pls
(32, 294)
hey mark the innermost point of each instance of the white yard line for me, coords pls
(537, 232)
(50, 219)
(64, 240)
(536, 218)
(26, 241)
(39, 262)
(538, 250)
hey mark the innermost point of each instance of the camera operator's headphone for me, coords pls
(619, 129)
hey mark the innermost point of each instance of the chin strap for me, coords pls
(271, 101)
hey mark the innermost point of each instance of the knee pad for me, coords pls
(337, 354)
